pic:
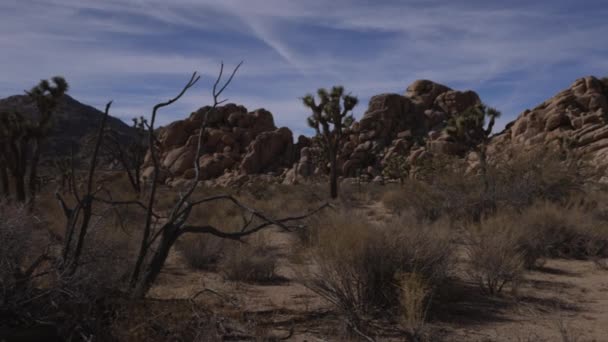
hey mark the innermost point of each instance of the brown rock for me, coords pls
(268, 149)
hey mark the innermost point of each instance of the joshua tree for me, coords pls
(46, 98)
(21, 137)
(468, 128)
(328, 118)
(5, 140)
(129, 155)
(13, 130)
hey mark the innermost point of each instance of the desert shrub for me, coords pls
(201, 251)
(550, 230)
(494, 256)
(38, 295)
(249, 264)
(444, 186)
(15, 234)
(537, 175)
(355, 263)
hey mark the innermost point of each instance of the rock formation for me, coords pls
(574, 121)
(233, 140)
(411, 125)
(238, 144)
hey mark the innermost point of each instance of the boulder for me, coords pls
(269, 149)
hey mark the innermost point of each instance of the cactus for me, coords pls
(329, 117)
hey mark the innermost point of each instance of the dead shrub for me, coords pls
(251, 262)
(494, 256)
(355, 263)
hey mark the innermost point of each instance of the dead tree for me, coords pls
(79, 217)
(147, 268)
(161, 232)
(328, 119)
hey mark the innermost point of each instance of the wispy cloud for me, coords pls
(137, 52)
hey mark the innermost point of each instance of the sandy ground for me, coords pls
(565, 295)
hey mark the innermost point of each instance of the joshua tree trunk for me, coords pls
(20, 186)
(34, 172)
(333, 174)
(6, 190)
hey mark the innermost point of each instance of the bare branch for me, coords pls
(237, 236)
(97, 146)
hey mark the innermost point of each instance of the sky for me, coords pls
(514, 54)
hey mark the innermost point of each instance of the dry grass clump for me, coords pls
(252, 262)
(356, 264)
(414, 296)
(201, 251)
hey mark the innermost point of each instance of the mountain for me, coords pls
(73, 123)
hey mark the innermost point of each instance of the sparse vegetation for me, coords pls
(389, 260)
(356, 263)
(249, 263)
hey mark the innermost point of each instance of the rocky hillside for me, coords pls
(574, 120)
(73, 122)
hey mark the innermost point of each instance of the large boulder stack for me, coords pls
(411, 125)
(233, 140)
(573, 121)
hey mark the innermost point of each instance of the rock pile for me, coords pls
(233, 140)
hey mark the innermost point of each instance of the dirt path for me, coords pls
(567, 294)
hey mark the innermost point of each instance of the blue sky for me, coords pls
(515, 54)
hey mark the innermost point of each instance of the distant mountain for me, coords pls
(73, 123)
